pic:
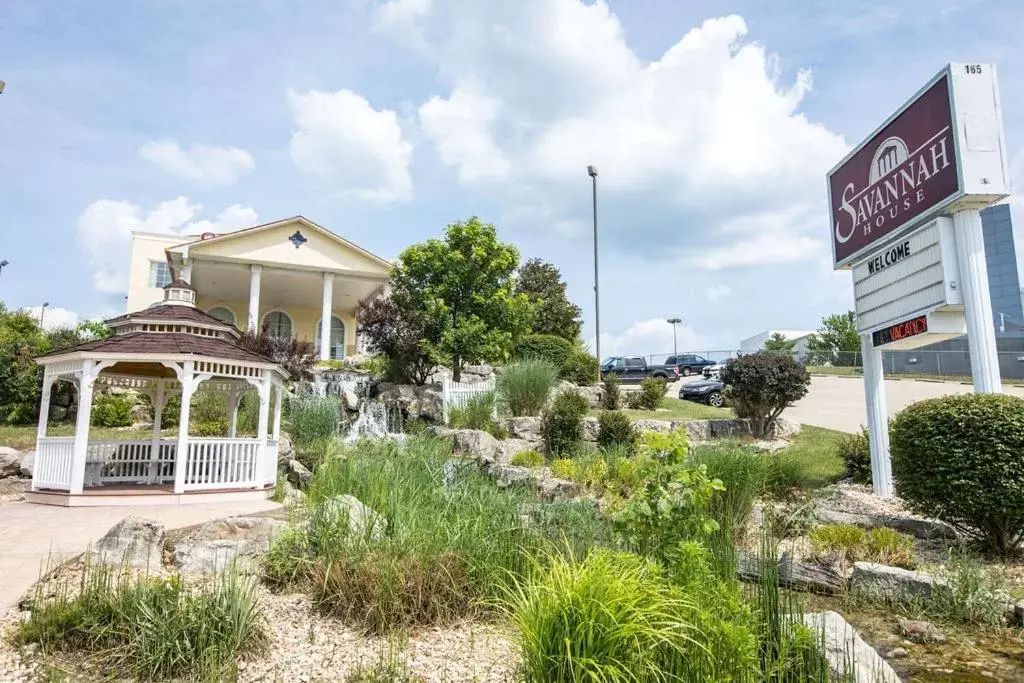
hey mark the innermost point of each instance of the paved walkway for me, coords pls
(32, 535)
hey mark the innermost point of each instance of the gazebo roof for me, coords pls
(148, 344)
(172, 313)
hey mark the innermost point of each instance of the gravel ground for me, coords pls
(13, 490)
(859, 499)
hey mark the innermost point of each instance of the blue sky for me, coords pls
(712, 125)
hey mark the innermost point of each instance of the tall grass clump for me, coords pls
(523, 387)
(311, 418)
(148, 628)
(477, 413)
(744, 475)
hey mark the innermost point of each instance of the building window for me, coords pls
(278, 325)
(223, 314)
(337, 338)
(159, 274)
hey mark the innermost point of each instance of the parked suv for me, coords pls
(687, 364)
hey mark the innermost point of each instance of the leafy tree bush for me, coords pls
(958, 458)
(581, 368)
(112, 410)
(295, 357)
(777, 343)
(523, 387)
(615, 429)
(652, 393)
(397, 331)
(612, 393)
(555, 350)
(553, 313)
(855, 450)
(21, 340)
(762, 385)
(836, 342)
(561, 426)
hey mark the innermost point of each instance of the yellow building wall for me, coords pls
(304, 320)
(145, 249)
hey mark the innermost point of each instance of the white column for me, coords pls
(277, 411)
(878, 418)
(326, 305)
(981, 334)
(233, 400)
(85, 384)
(254, 297)
(44, 406)
(187, 379)
(158, 416)
(261, 429)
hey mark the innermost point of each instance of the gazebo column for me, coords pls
(44, 405)
(234, 399)
(90, 369)
(187, 379)
(278, 390)
(159, 401)
(263, 385)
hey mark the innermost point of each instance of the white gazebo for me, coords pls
(166, 350)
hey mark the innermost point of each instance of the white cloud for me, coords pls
(400, 19)
(105, 227)
(342, 139)
(759, 250)
(716, 293)
(208, 165)
(54, 318)
(651, 337)
(460, 126)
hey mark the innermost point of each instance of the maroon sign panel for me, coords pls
(894, 178)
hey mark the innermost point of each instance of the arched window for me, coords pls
(223, 314)
(278, 324)
(337, 338)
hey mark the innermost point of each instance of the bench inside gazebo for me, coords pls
(167, 350)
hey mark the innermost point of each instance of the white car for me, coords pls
(713, 371)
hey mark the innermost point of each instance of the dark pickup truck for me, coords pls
(687, 364)
(633, 369)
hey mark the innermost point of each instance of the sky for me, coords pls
(711, 124)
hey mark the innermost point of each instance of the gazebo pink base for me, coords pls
(146, 494)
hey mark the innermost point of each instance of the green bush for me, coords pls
(561, 426)
(581, 368)
(311, 418)
(112, 410)
(743, 472)
(149, 628)
(762, 385)
(652, 393)
(634, 401)
(554, 350)
(523, 387)
(478, 413)
(958, 458)
(612, 399)
(528, 459)
(855, 450)
(211, 428)
(615, 429)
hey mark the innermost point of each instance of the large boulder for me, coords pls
(849, 657)
(361, 520)
(431, 403)
(594, 395)
(591, 427)
(527, 428)
(216, 544)
(511, 475)
(285, 449)
(919, 527)
(135, 542)
(883, 582)
(298, 474)
(727, 428)
(552, 488)
(698, 430)
(58, 413)
(783, 429)
(28, 464)
(350, 399)
(474, 443)
(10, 462)
(508, 448)
(662, 426)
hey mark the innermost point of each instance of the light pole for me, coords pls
(673, 322)
(4, 264)
(42, 312)
(592, 172)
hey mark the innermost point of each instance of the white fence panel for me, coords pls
(221, 464)
(270, 463)
(458, 394)
(54, 456)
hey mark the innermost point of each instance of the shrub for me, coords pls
(855, 450)
(581, 368)
(843, 541)
(477, 413)
(888, 546)
(524, 386)
(311, 418)
(969, 594)
(652, 393)
(528, 459)
(743, 473)
(634, 401)
(615, 429)
(554, 350)
(958, 458)
(564, 468)
(762, 385)
(560, 424)
(112, 410)
(211, 428)
(149, 628)
(612, 392)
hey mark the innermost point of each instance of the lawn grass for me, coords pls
(815, 449)
(23, 437)
(678, 409)
(834, 370)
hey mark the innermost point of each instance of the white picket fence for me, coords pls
(458, 394)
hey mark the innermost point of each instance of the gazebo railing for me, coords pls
(222, 463)
(54, 458)
(116, 462)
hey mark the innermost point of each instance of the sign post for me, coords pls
(905, 217)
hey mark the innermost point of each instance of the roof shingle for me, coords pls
(152, 343)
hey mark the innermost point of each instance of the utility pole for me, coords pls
(592, 172)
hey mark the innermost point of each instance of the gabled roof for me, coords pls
(228, 236)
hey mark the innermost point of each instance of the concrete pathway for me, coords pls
(31, 536)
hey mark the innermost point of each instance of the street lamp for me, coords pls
(592, 172)
(42, 312)
(673, 322)
(4, 264)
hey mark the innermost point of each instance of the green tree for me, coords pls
(836, 342)
(553, 313)
(777, 343)
(21, 339)
(464, 289)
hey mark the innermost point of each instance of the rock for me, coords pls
(725, 428)
(431, 403)
(509, 448)
(140, 414)
(594, 395)
(527, 428)
(216, 544)
(849, 657)
(476, 373)
(134, 541)
(474, 443)
(10, 462)
(698, 430)
(918, 527)
(28, 464)
(512, 475)
(552, 488)
(783, 429)
(653, 426)
(898, 653)
(58, 413)
(298, 474)
(285, 449)
(920, 631)
(405, 396)
(361, 520)
(792, 574)
(591, 427)
(1015, 613)
(292, 496)
(350, 399)
(891, 583)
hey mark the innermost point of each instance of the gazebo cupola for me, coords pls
(166, 350)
